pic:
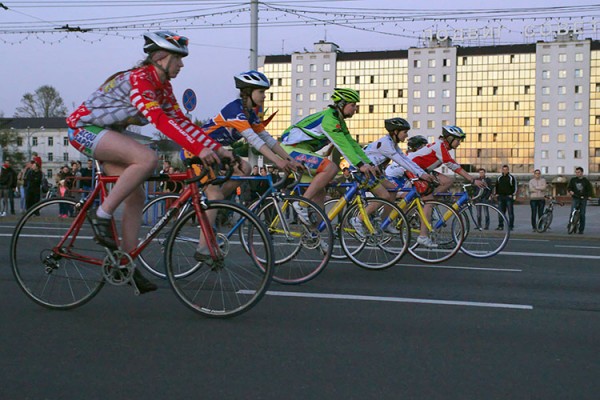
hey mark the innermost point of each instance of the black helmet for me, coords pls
(400, 124)
(165, 40)
(416, 142)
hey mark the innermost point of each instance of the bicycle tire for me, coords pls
(49, 276)
(152, 256)
(480, 242)
(448, 234)
(301, 252)
(544, 222)
(378, 250)
(235, 284)
(574, 221)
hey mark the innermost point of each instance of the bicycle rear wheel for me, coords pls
(573, 226)
(380, 249)
(152, 257)
(446, 234)
(301, 251)
(544, 222)
(53, 277)
(235, 283)
(479, 241)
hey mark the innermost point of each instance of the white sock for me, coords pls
(103, 214)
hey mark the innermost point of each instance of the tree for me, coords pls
(9, 146)
(45, 102)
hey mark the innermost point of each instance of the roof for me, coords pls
(35, 123)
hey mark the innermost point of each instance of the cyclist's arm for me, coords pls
(402, 160)
(342, 140)
(174, 125)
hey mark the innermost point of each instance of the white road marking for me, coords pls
(400, 300)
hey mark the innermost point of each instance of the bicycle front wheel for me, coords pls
(445, 233)
(302, 251)
(54, 276)
(480, 241)
(573, 226)
(382, 247)
(231, 285)
(544, 222)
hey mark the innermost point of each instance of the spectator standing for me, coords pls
(37, 159)
(537, 191)
(506, 191)
(75, 191)
(254, 184)
(33, 183)
(8, 180)
(485, 198)
(86, 178)
(63, 191)
(21, 184)
(580, 190)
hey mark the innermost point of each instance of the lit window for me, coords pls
(545, 106)
(577, 137)
(446, 78)
(417, 63)
(312, 110)
(417, 79)
(562, 73)
(430, 124)
(416, 109)
(578, 56)
(416, 94)
(313, 97)
(546, 58)
(561, 138)
(545, 138)
(578, 89)
(578, 105)
(545, 122)
(431, 109)
(299, 112)
(326, 67)
(561, 122)
(299, 68)
(446, 62)
(577, 121)
(562, 106)
(562, 57)
(431, 94)
(416, 124)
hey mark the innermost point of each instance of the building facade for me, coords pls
(529, 106)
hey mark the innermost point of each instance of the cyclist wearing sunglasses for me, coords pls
(137, 96)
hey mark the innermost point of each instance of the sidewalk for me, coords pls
(559, 222)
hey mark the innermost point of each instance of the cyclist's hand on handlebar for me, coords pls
(479, 183)
(208, 157)
(369, 170)
(427, 177)
(296, 166)
(226, 154)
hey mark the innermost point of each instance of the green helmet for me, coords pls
(347, 95)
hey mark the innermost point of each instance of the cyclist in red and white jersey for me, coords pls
(432, 156)
(138, 96)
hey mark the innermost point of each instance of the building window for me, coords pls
(578, 89)
(562, 73)
(527, 89)
(578, 56)
(495, 90)
(312, 110)
(34, 141)
(431, 94)
(561, 122)
(526, 121)
(561, 138)
(299, 97)
(545, 90)
(562, 106)
(417, 79)
(479, 121)
(446, 93)
(576, 153)
(516, 105)
(400, 93)
(546, 58)
(431, 78)
(446, 62)
(578, 105)
(313, 97)
(372, 79)
(416, 124)
(326, 67)
(577, 121)
(299, 68)
(431, 63)
(560, 154)
(312, 82)
(325, 96)
(299, 112)
(416, 94)
(445, 108)
(385, 93)
(50, 141)
(545, 138)
(544, 170)
(299, 83)
(446, 78)
(560, 170)
(578, 73)
(464, 61)
(356, 80)
(545, 107)
(479, 90)
(546, 74)
(20, 141)
(562, 90)
(430, 109)
(562, 57)
(271, 96)
(279, 81)
(430, 124)
(65, 156)
(50, 156)
(313, 67)
(417, 63)
(544, 154)
(577, 137)
(416, 109)
(371, 109)
(545, 121)
(326, 82)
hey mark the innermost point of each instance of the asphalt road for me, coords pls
(521, 325)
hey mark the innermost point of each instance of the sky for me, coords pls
(35, 51)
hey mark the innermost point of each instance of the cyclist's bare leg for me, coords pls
(381, 190)
(316, 190)
(445, 183)
(214, 192)
(132, 161)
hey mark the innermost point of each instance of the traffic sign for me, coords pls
(189, 100)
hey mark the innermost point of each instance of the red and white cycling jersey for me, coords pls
(138, 97)
(433, 155)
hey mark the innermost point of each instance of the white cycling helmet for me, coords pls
(165, 40)
(252, 79)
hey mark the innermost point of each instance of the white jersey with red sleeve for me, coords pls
(138, 97)
(433, 155)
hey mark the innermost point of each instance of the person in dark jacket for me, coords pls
(33, 185)
(8, 183)
(506, 191)
(580, 190)
(484, 212)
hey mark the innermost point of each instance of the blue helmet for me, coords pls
(252, 79)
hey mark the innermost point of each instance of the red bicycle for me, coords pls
(58, 265)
